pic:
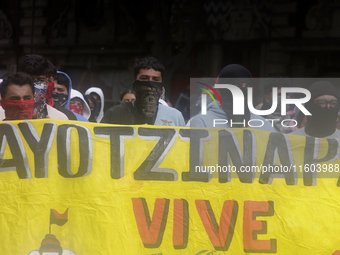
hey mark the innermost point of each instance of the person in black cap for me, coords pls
(324, 107)
(239, 76)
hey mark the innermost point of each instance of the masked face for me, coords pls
(324, 110)
(147, 96)
(18, 109)
(76, 108)
(97, 109)
(60, 99)
(40, 101)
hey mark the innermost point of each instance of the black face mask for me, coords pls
(227, 107)
(60, 99)
(322, 123)
(146, 104)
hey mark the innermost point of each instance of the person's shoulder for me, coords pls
(198, 121)
(80, 117)
(55, 114)
(119, 114)
(168, 109)
(126, 107)
(168, 116)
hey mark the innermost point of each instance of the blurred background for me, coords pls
(96, 41)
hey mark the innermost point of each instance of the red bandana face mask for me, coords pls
(18, 109)
(76, 109)
(48, 95)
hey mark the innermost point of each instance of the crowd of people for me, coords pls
(38, 91)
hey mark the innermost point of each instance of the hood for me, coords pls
(87, 111)
(216, 110)
(69, 90)
(101, 95)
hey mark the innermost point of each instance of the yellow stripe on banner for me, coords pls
(147, 190)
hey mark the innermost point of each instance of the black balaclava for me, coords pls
(60, 99)
(146, 104)
(322, 122)
(235, 74)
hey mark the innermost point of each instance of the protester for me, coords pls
(324, 107)
(146, 109)
(61, 96)
(91, 102)
(39, 69)
(239, 76)
(17, 97)
(97, 94)
(78, 104)
(127, 96)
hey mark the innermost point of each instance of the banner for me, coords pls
(88, 188)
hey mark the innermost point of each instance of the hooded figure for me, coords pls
(98, 111)
(62, 102)
(239, 76)
(324, 107)
(85, 111)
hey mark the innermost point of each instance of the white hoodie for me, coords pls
(86, 111)
(101, 95)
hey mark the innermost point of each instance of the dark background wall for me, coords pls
(96, 41)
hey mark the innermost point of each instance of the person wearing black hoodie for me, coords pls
(324, 107)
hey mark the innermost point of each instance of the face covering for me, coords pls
(48, 96)
(40, 101)
(322, 123)
(60, 99)
(76, 109)
(97, 109)
(146, 104)
(18, 109)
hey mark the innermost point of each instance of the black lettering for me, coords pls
(40, 146)
(197, 137)
(278, 146)
(229, 148)
(64, 151)
(10, 134)
(149, 170)
(311, 154)
(116, 136)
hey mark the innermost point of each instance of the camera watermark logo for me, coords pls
(238, 99)
(204, 97)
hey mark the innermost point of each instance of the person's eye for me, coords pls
(27, 98)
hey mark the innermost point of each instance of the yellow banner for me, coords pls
(87, 188)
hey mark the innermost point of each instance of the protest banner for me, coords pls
(88, 188)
